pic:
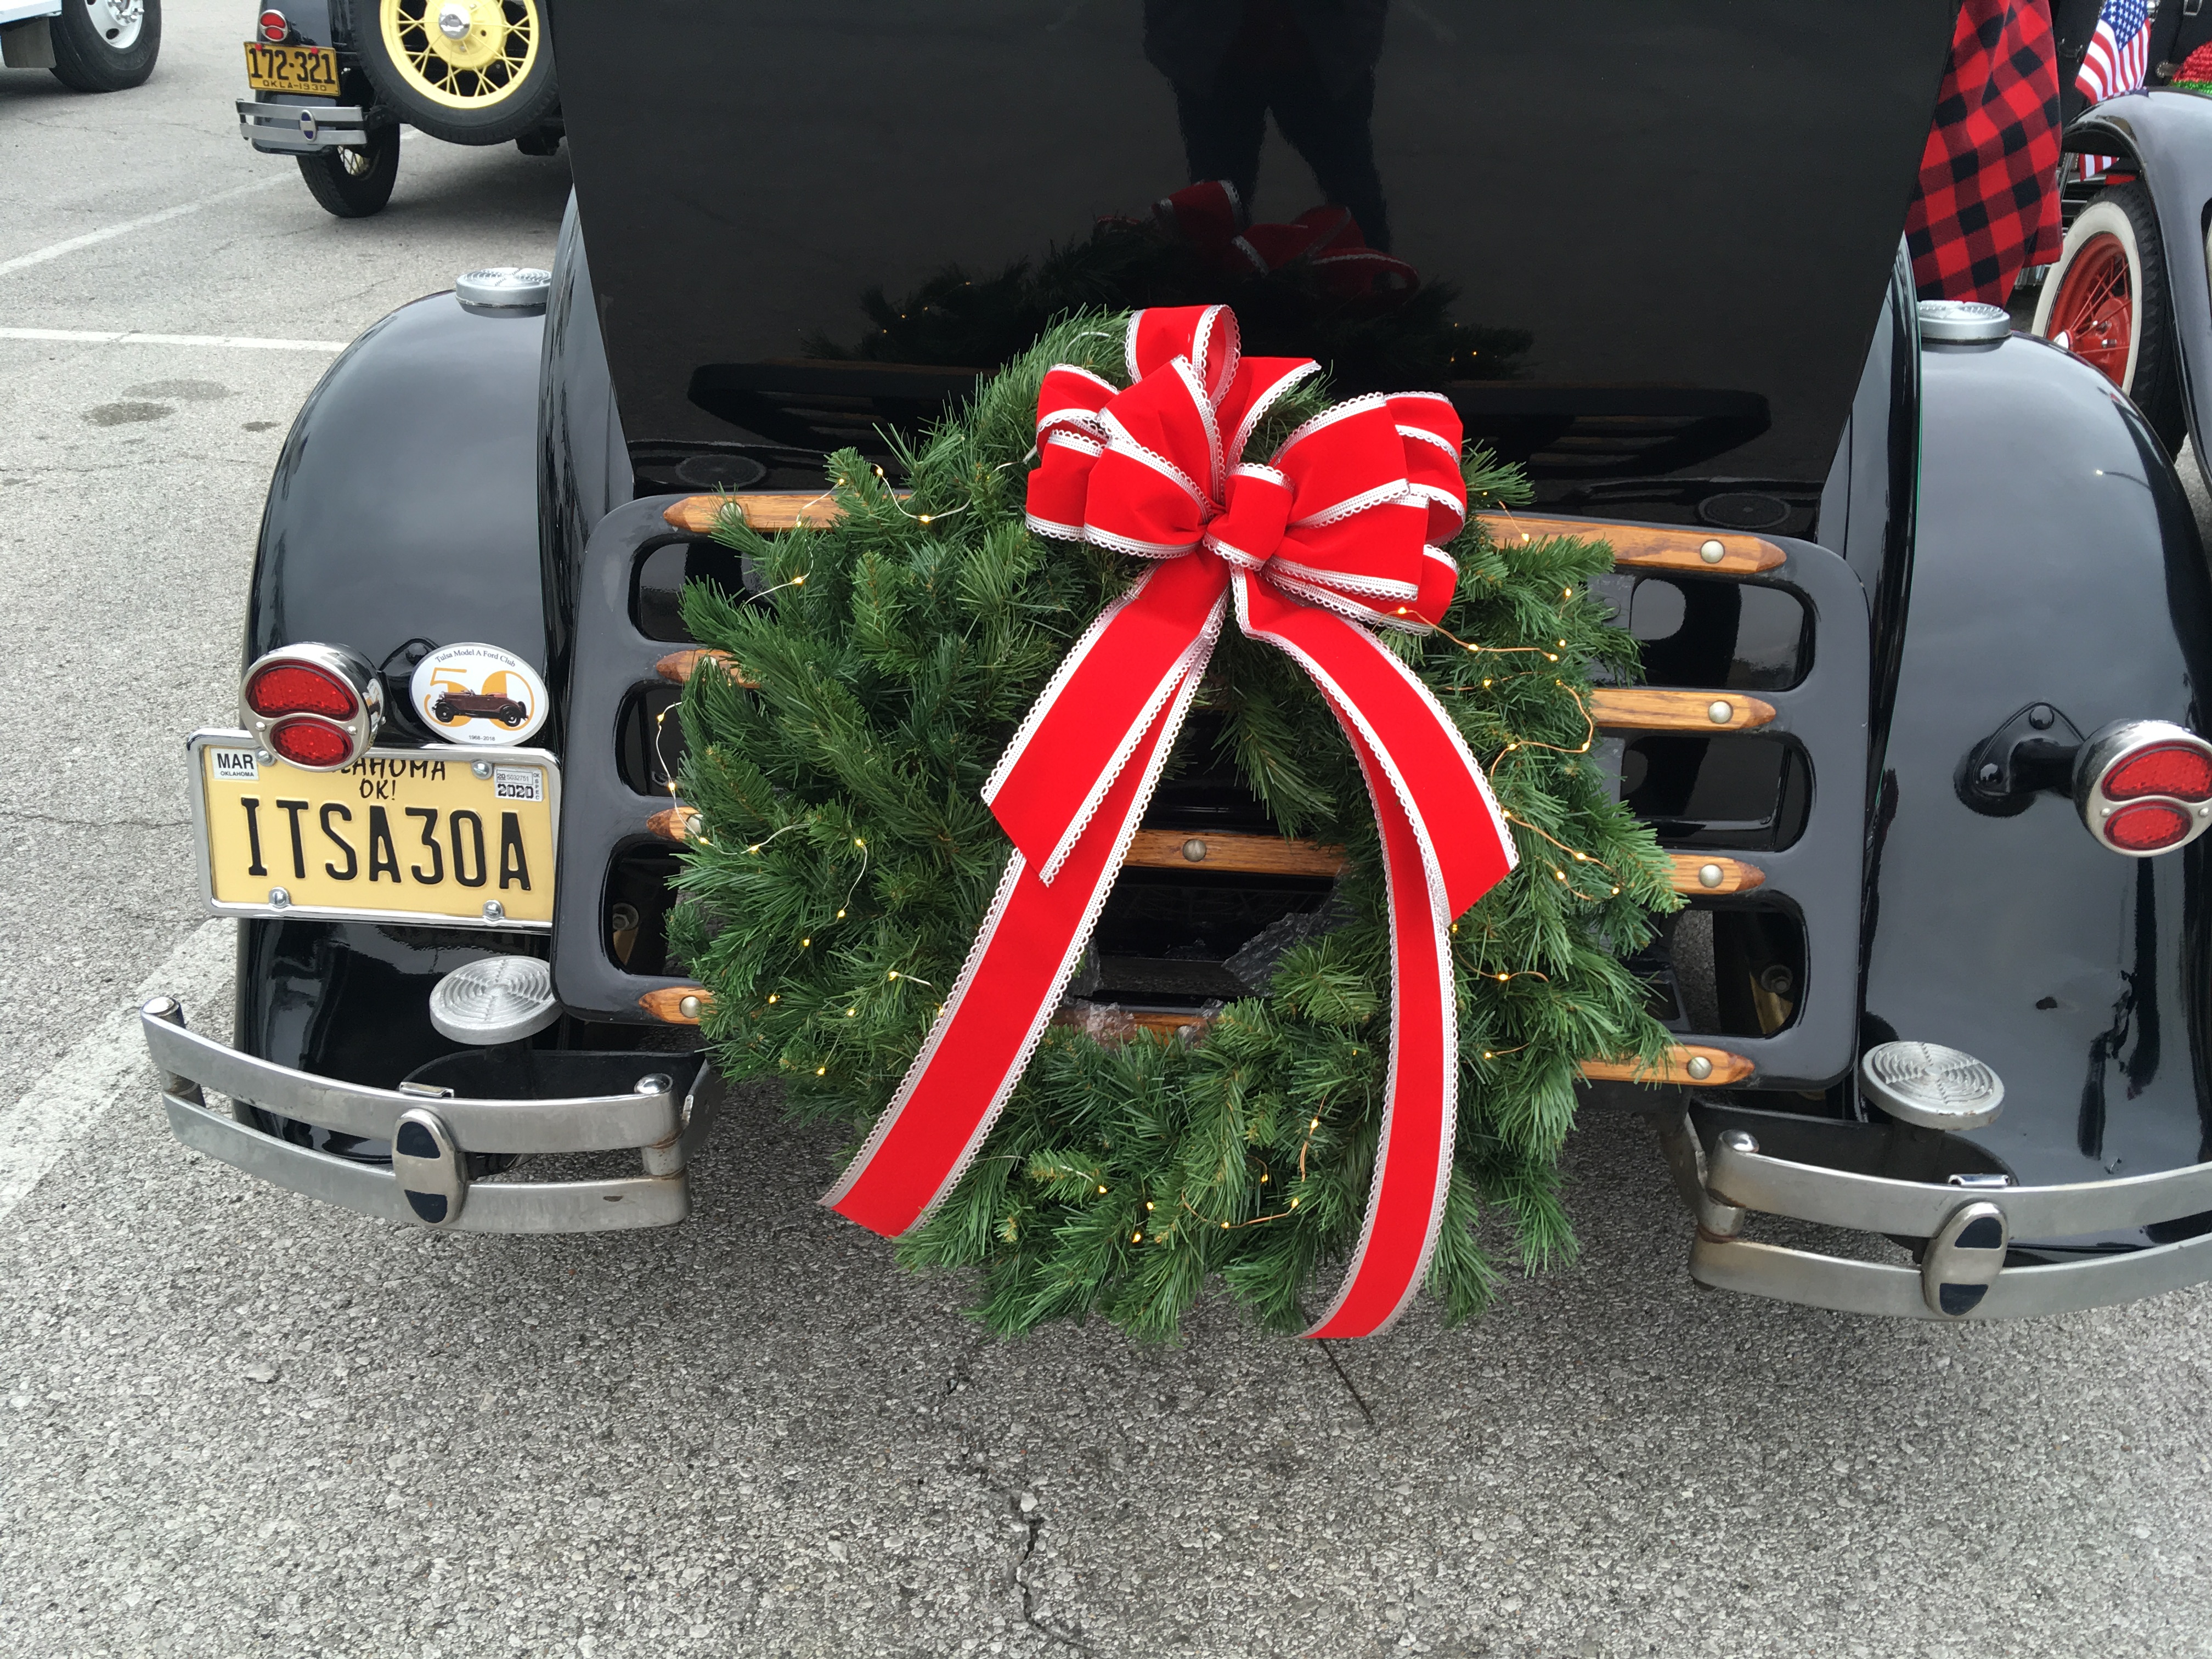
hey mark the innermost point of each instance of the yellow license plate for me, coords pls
(292, 69)
(450, 834)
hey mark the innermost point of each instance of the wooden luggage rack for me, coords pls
(1636, 548)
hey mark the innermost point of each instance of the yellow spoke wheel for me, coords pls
(464, 54)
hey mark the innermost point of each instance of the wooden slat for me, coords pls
(667, 1004)
(1241, 853)
(1726, 1067)
(680, 666)
(1638, 547)
(678, 823)
(1640, 708)
(1728, 875)
(1634, 546)
(766, 511)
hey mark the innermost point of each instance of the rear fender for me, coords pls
(2056, 561)
(403, 515)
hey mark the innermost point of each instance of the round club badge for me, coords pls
(479, 694)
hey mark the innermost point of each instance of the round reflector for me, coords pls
(2181, 770)
(2148, 826)
(306, 741)
(299, 688)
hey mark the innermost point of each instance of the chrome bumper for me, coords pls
(664, 1119)
(1968, 1229)
(302, 128)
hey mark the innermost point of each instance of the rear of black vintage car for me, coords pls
(1916, 612)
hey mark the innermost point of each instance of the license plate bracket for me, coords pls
(447, 836)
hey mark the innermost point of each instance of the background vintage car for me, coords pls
(334, 82)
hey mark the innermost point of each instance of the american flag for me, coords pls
(2117, 58)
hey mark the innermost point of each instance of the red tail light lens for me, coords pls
(297, 688)
(306, 741)
(2148, 826)
(314, 705)
(2166, 768)
(274, 28)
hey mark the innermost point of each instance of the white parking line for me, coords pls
(133, 336)
(84, 1083)
(54, 251)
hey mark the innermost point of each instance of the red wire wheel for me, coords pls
(2093, 316)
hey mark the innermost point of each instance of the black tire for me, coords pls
(355, 182)
(500, 104)
(85, 57)
(2153, 374)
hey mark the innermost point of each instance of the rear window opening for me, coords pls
(1739, 791)
(1169, 939)
(640, 890)
(656, 584)
(649, 740)
(1702, 631)
(1736, 972)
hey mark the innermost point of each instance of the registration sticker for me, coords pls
(233, 765)
(518, 783)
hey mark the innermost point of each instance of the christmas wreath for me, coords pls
(1384, 674)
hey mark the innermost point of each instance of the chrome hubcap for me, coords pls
(117, 21)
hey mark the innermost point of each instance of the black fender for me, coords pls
(403, 515)
(2056, 561)
(404, 506)
(2168, 136)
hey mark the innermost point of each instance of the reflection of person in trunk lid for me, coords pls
(1310, 63)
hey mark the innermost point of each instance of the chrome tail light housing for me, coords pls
(2144, 787)
(314, 706)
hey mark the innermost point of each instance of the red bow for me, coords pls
(1341, 528)
(1211, 214)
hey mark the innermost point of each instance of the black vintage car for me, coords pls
(334, 80)
(1923, 606)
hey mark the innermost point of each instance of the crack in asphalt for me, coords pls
(977, 1466)
(1329, 1353)
(83, 822)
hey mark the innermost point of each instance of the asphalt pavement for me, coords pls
(233, 1422)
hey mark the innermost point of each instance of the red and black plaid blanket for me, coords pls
(1988, 201)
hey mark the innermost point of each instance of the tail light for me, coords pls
(2144, 787)
(273, 27)
(316, 706)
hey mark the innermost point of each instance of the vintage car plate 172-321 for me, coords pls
(441, 835)
(310, 70)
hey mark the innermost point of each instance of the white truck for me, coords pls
(91, 45)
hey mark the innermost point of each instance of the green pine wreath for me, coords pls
(847, 860)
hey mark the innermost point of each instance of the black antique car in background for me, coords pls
(334, 80)
(1924, 611)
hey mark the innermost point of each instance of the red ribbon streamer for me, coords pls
(1339, 531)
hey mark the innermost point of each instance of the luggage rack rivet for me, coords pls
(480, 768)
(1710, 552)
(278, 898)
(1194, 850)
(1699, 1067)
(1709, 875)
(690, 1007)
(1720, 712)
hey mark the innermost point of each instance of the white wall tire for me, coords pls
(2107, 301)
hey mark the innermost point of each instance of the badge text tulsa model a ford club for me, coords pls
(1200, 622)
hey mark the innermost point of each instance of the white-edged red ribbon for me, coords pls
(1339, 531)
